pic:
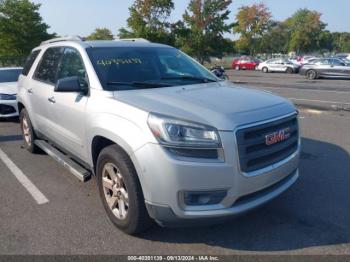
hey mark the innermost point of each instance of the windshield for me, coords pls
(9, 75)
(129, 68)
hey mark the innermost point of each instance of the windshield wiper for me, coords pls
(139, 84)
(187, 77)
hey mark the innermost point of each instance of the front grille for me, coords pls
(6, 110)
(255, 154)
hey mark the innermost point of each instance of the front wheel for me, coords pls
(311, 74)
(121, 192)
(27, 132)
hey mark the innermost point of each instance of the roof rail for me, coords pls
(133, 40)
(60, 39)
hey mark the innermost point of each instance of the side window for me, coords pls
(29, 62)
(337, 62)
(71, 64)
(47, 70)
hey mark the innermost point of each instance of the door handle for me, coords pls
(30, 91)
(52, 99)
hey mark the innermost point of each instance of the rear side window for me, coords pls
(47, 69)
(29, 62)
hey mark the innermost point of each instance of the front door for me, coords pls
(68, 114)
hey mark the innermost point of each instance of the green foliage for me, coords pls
(21, 27)
(276, 39)
(201, 33)
(149, 19)
(341, 42)
(305, 30)
(101, 34)
(252, 22)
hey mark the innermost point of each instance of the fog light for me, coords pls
(204, 198)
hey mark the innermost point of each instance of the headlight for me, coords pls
(172, 132)
(7, 97)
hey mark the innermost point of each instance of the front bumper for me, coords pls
(165, 216)
(8, 108)
(164, 177)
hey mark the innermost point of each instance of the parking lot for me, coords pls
(60, 215)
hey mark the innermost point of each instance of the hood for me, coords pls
(222, 104)
(9, 88)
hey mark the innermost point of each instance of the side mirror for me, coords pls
(71, 85)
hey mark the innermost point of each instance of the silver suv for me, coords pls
(166, 139)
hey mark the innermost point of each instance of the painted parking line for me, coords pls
(39, 197)
(319, 101)
(306, 90)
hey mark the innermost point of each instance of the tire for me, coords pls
(289, 70)
(120, 191)
(311, 74)
(265, 69)
(28, 132)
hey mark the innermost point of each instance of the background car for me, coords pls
(343, 56)
(326, 67)
(245, 63)
(278, 65)
(8, 91)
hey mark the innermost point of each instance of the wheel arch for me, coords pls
(99, 142)
(20, 106)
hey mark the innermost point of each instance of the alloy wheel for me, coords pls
(115, 191)
(26, 131)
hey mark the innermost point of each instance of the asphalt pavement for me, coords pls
(313, 217)
(324, 94)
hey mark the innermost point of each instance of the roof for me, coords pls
(132, 42)
(116, 43)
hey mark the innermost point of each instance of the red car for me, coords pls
(245, 63)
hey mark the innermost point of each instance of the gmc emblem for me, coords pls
(277, 137)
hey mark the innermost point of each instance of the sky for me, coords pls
(81, 17)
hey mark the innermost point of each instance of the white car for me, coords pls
(8, 91)
(278, 65)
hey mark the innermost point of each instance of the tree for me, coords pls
(21, 27)
(149, 19)
(275, 39)
(252, 23)
(201, 34)
(341, 42)
(305, 30)
(101, 34)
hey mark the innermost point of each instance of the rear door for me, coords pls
(41, 87)
(324, 67)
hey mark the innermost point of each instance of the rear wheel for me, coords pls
(28, 132)
(265, 69)
(121, 192)
(311, 74)
(289, 70)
